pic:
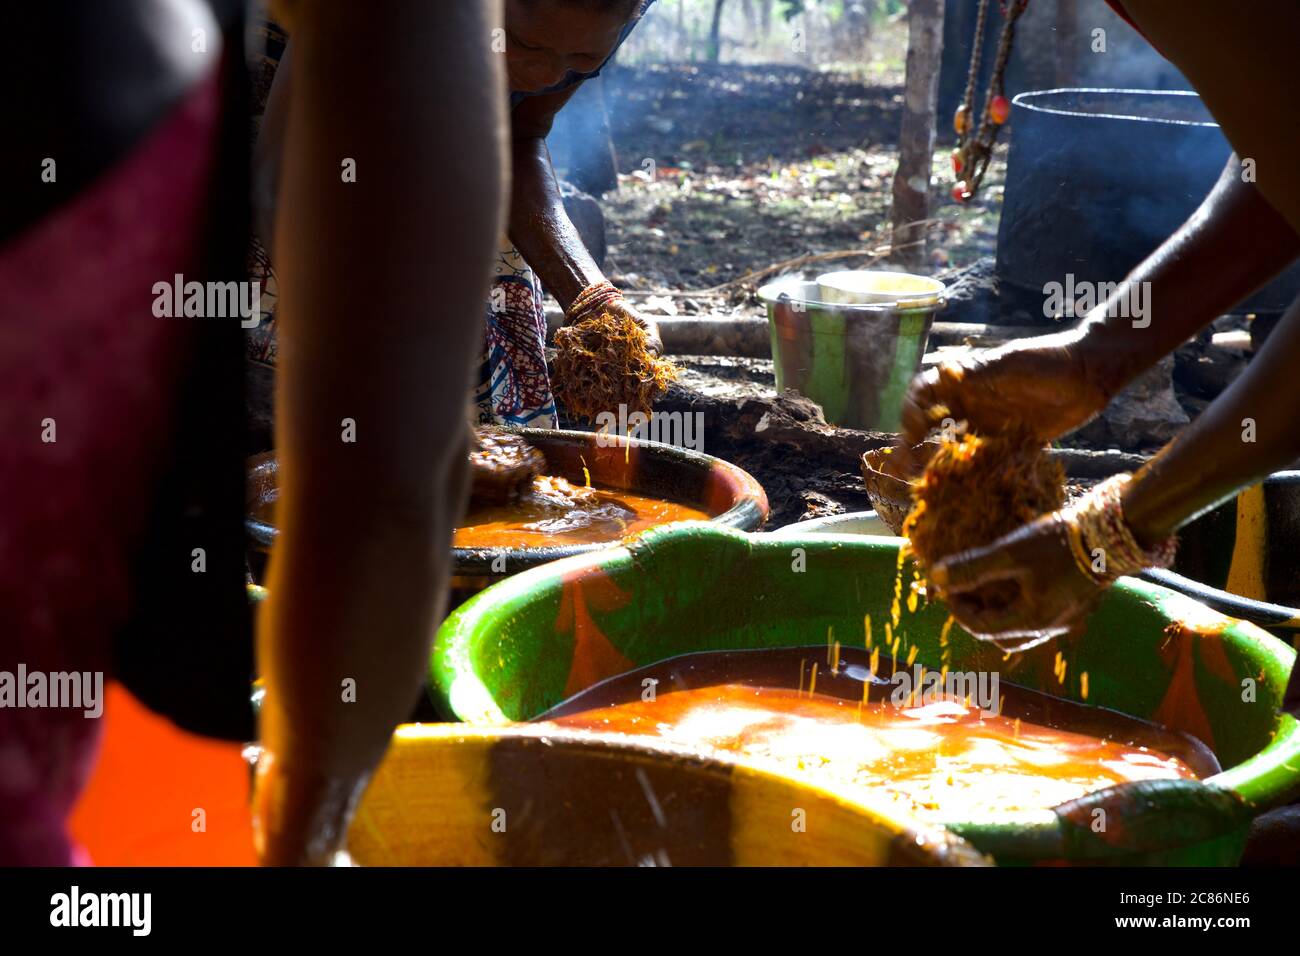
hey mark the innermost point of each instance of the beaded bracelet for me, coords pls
(1096, 528)
(592, 300)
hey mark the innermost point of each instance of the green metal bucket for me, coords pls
(855, 361)
(526, 644)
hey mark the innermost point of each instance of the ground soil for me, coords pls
(725, 170)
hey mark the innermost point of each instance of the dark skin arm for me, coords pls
(486, 482)
(1248, 432)
(1240, 65)
(382, 281)
(1234, 243)
(539, 227)
(1232, 60)
(1207, 463)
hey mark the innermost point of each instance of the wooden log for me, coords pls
(745, 337)
(748, 336)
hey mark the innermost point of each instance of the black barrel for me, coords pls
(1097, 179)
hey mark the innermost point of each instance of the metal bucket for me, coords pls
(855, 361)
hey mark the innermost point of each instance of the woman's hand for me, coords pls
(502, 466)
(1043, 383)
(301, 820)
(621, 306)
(1024, 584)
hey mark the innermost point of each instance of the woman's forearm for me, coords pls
(1234, 243)
(381, 277)
(1248, 432)
(540, 228)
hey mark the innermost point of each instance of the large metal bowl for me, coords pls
(855, 361)
(731, 496)
(519, 649)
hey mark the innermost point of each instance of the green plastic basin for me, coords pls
(526, 644)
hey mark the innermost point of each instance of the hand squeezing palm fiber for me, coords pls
(603, 359)
(977, 488)
(502, 466)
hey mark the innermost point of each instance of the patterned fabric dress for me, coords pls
(513, 387)
(267, 42)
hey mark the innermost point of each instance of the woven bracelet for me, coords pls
(1098, 532)
(592, 300)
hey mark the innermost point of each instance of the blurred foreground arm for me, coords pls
(382, 281)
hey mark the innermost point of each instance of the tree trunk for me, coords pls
(916, 139)
(857, 26)
(715, 32)
(765, 18)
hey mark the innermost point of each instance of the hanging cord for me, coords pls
(961, 122)
(975, 146)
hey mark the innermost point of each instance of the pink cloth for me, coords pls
(81, 352)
